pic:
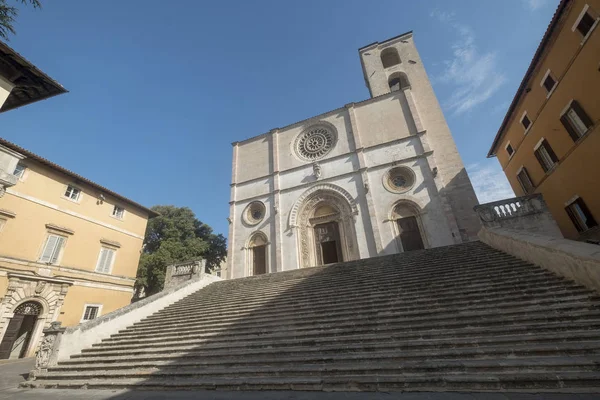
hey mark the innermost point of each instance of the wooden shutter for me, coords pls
(101, 260)
(105, 260)
(10, 336)
(540, 160)
(550, 151)
(570, 129)
(574, 219)
(59, 244)
(590, 221)
(49, 248)
(582, 114)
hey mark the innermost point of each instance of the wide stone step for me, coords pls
(539, 381)
(384, 351)
(367, 305)
(337, 334)
(385, 368)
(473, 365)
(564, 316)
(393, 291)
(458, 278)
(374, 342)
(374, 317)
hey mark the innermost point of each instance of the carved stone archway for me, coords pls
(303, 218)
(49, 292)
(256, 240)
(405, 209)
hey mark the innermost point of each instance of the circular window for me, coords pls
(254, 213)
(399, 179)
(315, 142)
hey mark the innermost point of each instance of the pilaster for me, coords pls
(276, 197)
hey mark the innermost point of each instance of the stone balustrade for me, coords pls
(178, 273)
(527, 213)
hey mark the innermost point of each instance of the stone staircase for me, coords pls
(463, 317)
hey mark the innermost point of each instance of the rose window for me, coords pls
(314, 143)
(254, 213)
(399, 179)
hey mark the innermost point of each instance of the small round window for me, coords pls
(254, 213)
(399, 179)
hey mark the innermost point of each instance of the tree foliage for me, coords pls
(8, 13)
(173, 237)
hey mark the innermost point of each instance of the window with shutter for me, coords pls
(105, 260)
(576, 121)
(525, 181)
(580, 215)
(545, 155)
(52, 248)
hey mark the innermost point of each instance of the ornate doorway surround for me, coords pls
(23, 289)
(408, 226)
(323, 204)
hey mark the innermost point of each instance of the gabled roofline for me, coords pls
(532, 66)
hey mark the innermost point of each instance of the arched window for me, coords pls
(390, 57)
(398, 81)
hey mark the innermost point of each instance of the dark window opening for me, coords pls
(546, 156)
(526, 122)
(525, 181)
(390, 57)
(549, 83)
(586, 23)
(580, 215)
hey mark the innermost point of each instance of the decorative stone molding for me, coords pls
(254, 213)
(6, 180)
(399, 179)
(302, 216)
(110, 243)
(316, 141)
(48, 292)
(292, 222)
(7, 213)
(60, 229)
(48, 352)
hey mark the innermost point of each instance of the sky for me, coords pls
(158, 90)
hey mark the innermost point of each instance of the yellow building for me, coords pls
(549, 141)
(69, 248)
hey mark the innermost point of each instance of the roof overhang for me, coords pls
(30, 84)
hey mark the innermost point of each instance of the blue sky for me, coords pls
(159, 90)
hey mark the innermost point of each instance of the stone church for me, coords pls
(376, 177)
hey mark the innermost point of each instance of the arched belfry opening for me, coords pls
(257, 254)
(20, 330)
(324, 219)
(398, 81)
(390, 57)
(408, 226)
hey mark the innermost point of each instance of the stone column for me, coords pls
(231, 218)
(276, 198)
(364, 180)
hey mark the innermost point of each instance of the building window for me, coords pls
(548, 83)
(585, 23)
(72, 193)
(118, 212)
(510, 150)
(52, 249)
(525, 180)
(19, 171)
(576, 121)
(545, 155)
(90, 312)
(525, 121)
(105, 260)
(398, 81)
(390, 57)
(580, 215)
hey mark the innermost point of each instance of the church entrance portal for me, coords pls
(327, 239)
(410, 235)
(259, 254)
(19, 331)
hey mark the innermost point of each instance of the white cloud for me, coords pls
(534, 4)
(475, 75)
(489, 182)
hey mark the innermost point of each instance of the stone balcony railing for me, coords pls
(6, 180)
(526, 213)
(178, 273)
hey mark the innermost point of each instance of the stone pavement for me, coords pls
(14, 371)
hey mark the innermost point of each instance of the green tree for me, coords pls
(9, 13)
(176, 236)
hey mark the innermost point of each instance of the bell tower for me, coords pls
(387, 66)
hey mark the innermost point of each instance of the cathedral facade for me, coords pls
(377, 177)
